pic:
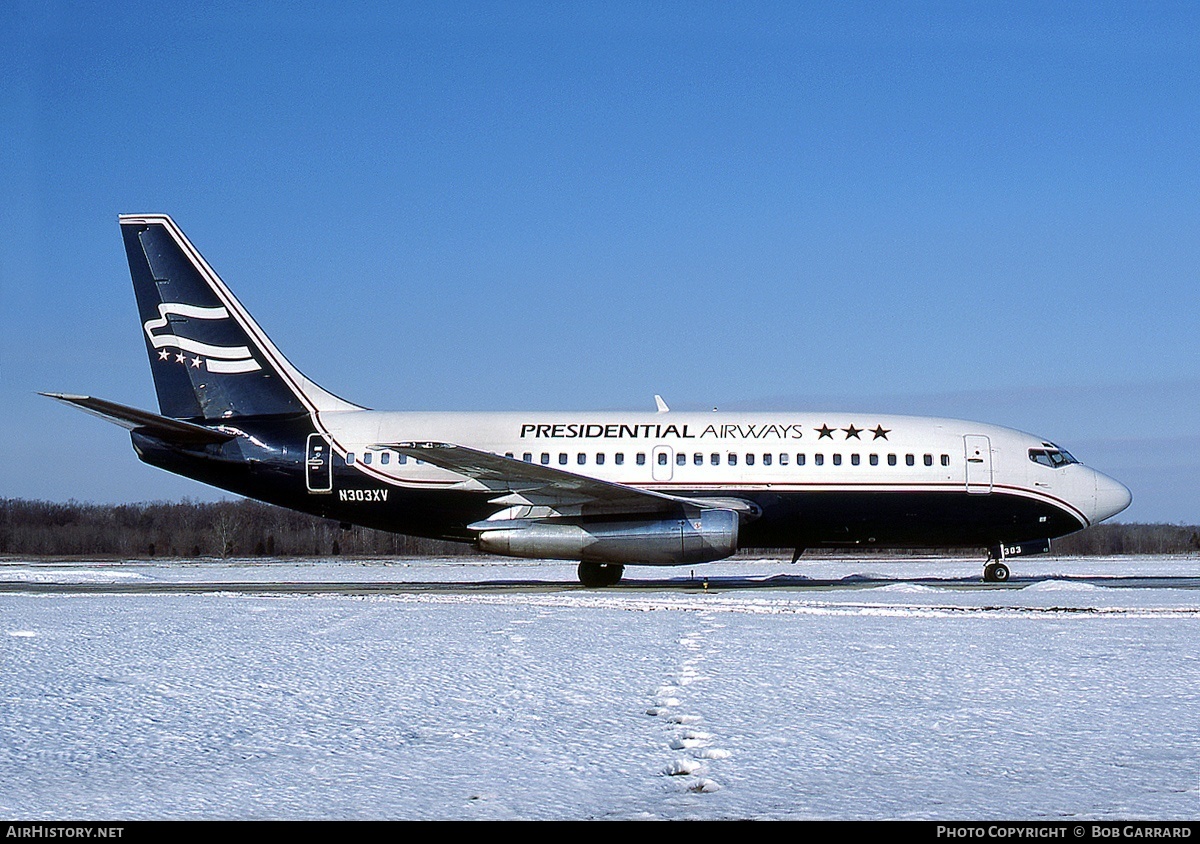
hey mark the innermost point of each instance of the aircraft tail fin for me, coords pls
(209, 358)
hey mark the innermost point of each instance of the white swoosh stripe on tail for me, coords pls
(221, 359)
(228, 367)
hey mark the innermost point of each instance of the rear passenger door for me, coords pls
(318, 464)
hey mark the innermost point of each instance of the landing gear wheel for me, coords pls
(600, 574)
(995, 572)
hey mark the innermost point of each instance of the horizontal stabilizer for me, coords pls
(169, 430)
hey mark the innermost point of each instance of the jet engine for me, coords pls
(705, 536)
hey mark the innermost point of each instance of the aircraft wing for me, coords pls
(547, 486)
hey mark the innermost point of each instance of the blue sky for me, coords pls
(980, 210)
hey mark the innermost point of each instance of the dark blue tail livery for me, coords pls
(208, 357)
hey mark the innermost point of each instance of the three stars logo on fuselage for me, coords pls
(880, 432)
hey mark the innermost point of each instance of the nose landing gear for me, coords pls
(995, 570)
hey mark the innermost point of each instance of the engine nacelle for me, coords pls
(709, 535)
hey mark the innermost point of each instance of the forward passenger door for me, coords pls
(978, 450)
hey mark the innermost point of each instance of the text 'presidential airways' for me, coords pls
(684, 432)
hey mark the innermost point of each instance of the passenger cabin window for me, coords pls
(874, 460)
(545, 458)
(619, 458)
(732, 459)
(386, 458)
(641, 458)
(581, 458)
(749, 459)
(837, 460)
(402, 459)
(799, 459)
(681, 459)
(928, 459)
(818, 459)
(766, 460)
(891, 460)
(662, 458)
(783, 459)
(909, 460)
(715, 459)
(945, 459)
(349, 458)
(698, 459)
(562, 458)
(367, 458)
(599, 458)
(527, 457)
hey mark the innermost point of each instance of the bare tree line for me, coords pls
(194, 529)
(1132, 538)
(251, 529)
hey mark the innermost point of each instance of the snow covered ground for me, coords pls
(1049, 698)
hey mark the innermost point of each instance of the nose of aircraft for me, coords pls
(1111, 498)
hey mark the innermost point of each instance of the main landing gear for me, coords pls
(995, 570)
(600, 574)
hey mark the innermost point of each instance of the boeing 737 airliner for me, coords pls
(605, 489)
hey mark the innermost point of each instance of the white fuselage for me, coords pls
(736, 453)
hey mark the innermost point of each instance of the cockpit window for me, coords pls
(1053, 457)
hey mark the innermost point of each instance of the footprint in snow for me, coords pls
(682, 768)
(694, 742)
